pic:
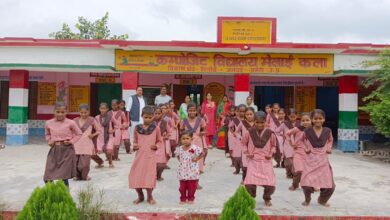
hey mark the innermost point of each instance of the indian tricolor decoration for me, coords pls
(348, 132)
(129, 84)
(17, 126)
(241, 86)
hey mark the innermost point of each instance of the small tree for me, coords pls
(378, 102)
(51, 202)
(87, 30)
(239, 207)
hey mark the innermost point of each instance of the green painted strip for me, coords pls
(352, 72)
(17, 115)
(348, 120)
(65, 66)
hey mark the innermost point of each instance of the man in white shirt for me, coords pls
(163, 98)
(249, 103)
(134, 106)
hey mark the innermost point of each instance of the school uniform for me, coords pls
(164, 151)
(242, 128)
(143, 173)
(234, 144)
(272, 122)
(317, 171)
(105, 141)
(61, 159)
(260, 144)
(119, 119)
(197, 139)
(84, 147)
(295, 135)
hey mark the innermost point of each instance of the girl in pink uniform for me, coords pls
(163, 153)
(125, 129)
(105, 141)
(188, 155)
(229, 117)
(272, 122)
(259, 144)
(120, 123)
(317, 172)
(285, 148)
(84, 147)
(143, 173)
(295, 137)
(242, 128)
(61, 133)
(174, 135)
(235, 138)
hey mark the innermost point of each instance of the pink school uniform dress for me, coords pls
(260, 170)
(197, 139)
(61, 159)
(188, 171)
(105, 141)
(143, 173)
(317, 171)
(119, 119)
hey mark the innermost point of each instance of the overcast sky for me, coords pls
(308, 21)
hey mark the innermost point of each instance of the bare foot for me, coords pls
(292, 188)
(76, 179)
(118, 159)
(152, 202)
(182, 203)
(242, 183)
(231, 165)
(137, 201)
(199, 187)
(235, 173)
(111, 165)
(191, 202)
(268, 203)
(99, 166)
(88, 178)
(324, 204)
(316, 189)
(201, 172)
(305, 203)
(160, 179)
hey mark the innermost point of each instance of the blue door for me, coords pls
(268, 95)
(328, 100)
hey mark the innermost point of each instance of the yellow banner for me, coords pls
(305, 98)
(187, 62)
(47, 93)
(246, 32)
(78, 95)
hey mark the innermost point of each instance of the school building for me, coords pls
(245, 60)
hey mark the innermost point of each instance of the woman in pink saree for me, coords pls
(209, 109)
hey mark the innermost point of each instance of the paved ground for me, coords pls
(363, 185)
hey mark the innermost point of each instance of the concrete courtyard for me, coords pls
(362, 185)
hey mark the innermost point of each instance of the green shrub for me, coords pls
(51, 202)
(240, 207)
(90, 204)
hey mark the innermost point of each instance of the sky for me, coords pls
(298, 21)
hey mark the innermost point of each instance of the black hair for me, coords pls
(292, 111)
(306, 114)
(122, 101)
(241, 106)
(148, 110)
(232, 107)
(115, 100)
(191, 105)
(84, 106)
(317, 111)
(189, 133)
(260, 115)
(60, 105)
(282, 110)
(104, 104)
(267, 106)
(273, 105)
(250, 109)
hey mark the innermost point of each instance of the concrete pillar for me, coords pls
(17, 126)
(348, 132)
(241, 85)
(129, 84)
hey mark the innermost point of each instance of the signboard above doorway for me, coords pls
(195, 62)
(246, 30)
